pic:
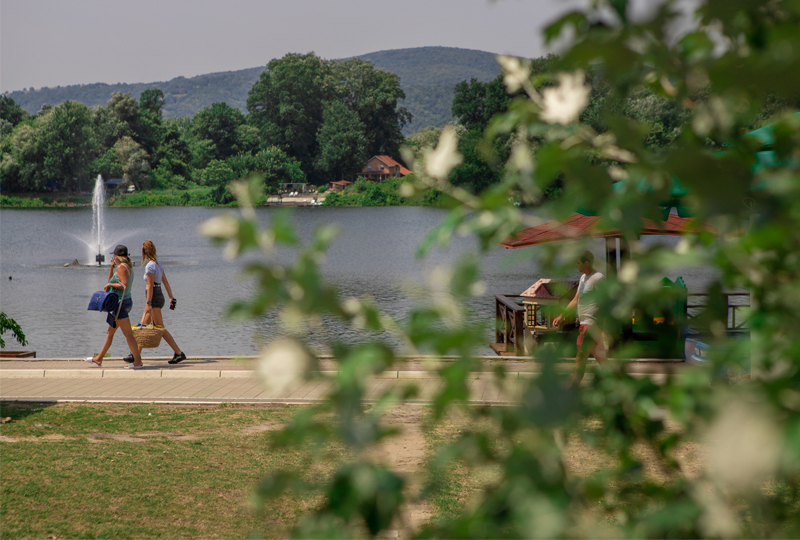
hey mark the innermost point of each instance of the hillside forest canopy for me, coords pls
(308, 120)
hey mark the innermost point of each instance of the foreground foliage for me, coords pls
(726, 69)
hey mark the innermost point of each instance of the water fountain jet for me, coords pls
(98, 224)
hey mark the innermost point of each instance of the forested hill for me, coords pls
(427, 75)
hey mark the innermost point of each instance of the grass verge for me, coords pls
(146, 471)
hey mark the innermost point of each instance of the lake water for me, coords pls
(373, 255)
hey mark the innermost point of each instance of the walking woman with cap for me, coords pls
(120, 280)
(154, 277)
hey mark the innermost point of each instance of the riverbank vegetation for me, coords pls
(308, 120)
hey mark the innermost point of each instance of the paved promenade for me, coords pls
(224, 380)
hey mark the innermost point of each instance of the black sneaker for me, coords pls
(128, 359)
(177, 358)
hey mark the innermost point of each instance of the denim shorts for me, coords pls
(127, 304)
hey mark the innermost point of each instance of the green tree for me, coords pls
(219, 124)
(9, 324)
(66, 139)
(134, 162)
(342, 143)
(286, 104)
(11, 112)
(476, 102)
(373, 94)
(151, 102)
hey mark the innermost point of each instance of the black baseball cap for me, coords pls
(120, 251)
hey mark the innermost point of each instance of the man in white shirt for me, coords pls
(590, 335)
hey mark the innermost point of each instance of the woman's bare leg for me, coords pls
(125, 325)
(159, 321)
(106, 346)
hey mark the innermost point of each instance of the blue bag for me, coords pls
(104, 301)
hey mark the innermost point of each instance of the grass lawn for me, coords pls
(145, 471)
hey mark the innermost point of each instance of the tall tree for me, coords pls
(67, 144)
(343, 146)
(219, 124)
(11, 112)
(476, 102)
(373, 94)
(286, 104)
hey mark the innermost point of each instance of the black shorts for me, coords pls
(158, 297)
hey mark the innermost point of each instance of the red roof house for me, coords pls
(379, 168)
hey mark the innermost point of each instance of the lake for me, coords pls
(373, 255)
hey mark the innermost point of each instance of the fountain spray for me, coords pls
(98, 224)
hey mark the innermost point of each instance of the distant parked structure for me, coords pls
(380, 168)
(116, 184)
(339, 185)
(295, 187)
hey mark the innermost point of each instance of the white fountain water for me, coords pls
(98, 223)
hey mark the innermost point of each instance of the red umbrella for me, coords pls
(578, 227)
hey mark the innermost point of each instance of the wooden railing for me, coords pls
(510, 324)
(733, 309)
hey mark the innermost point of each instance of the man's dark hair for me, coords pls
(587, 256)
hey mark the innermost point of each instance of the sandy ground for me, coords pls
(405, 454)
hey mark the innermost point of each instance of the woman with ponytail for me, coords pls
(155, 278)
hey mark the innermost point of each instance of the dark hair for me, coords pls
(586, 256)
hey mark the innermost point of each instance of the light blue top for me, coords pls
(156, 269)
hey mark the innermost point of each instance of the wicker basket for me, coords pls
(149, 336)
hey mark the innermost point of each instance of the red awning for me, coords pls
(578, 227)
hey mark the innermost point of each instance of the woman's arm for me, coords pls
(150, 282)
(166, 283)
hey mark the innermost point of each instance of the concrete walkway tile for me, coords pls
(231, 387)
(155, 389)
(492, 391)
(209, 390)
(240, 374)
(386, 375)
(177, 388)
(146, 373)
(245, 390)
(112, 387)
(70, 387)
(478, 389)
(375, 388)
(327, 374)
(289, 390)
(193, 374)
(21, 373)
(91, 373)
(415, 375)
(189, 387)
(320, 391)
(304, 390)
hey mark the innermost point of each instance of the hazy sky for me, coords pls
(63, 42)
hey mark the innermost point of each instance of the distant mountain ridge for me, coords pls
(427, 75)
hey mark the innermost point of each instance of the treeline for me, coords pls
(308, 120)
